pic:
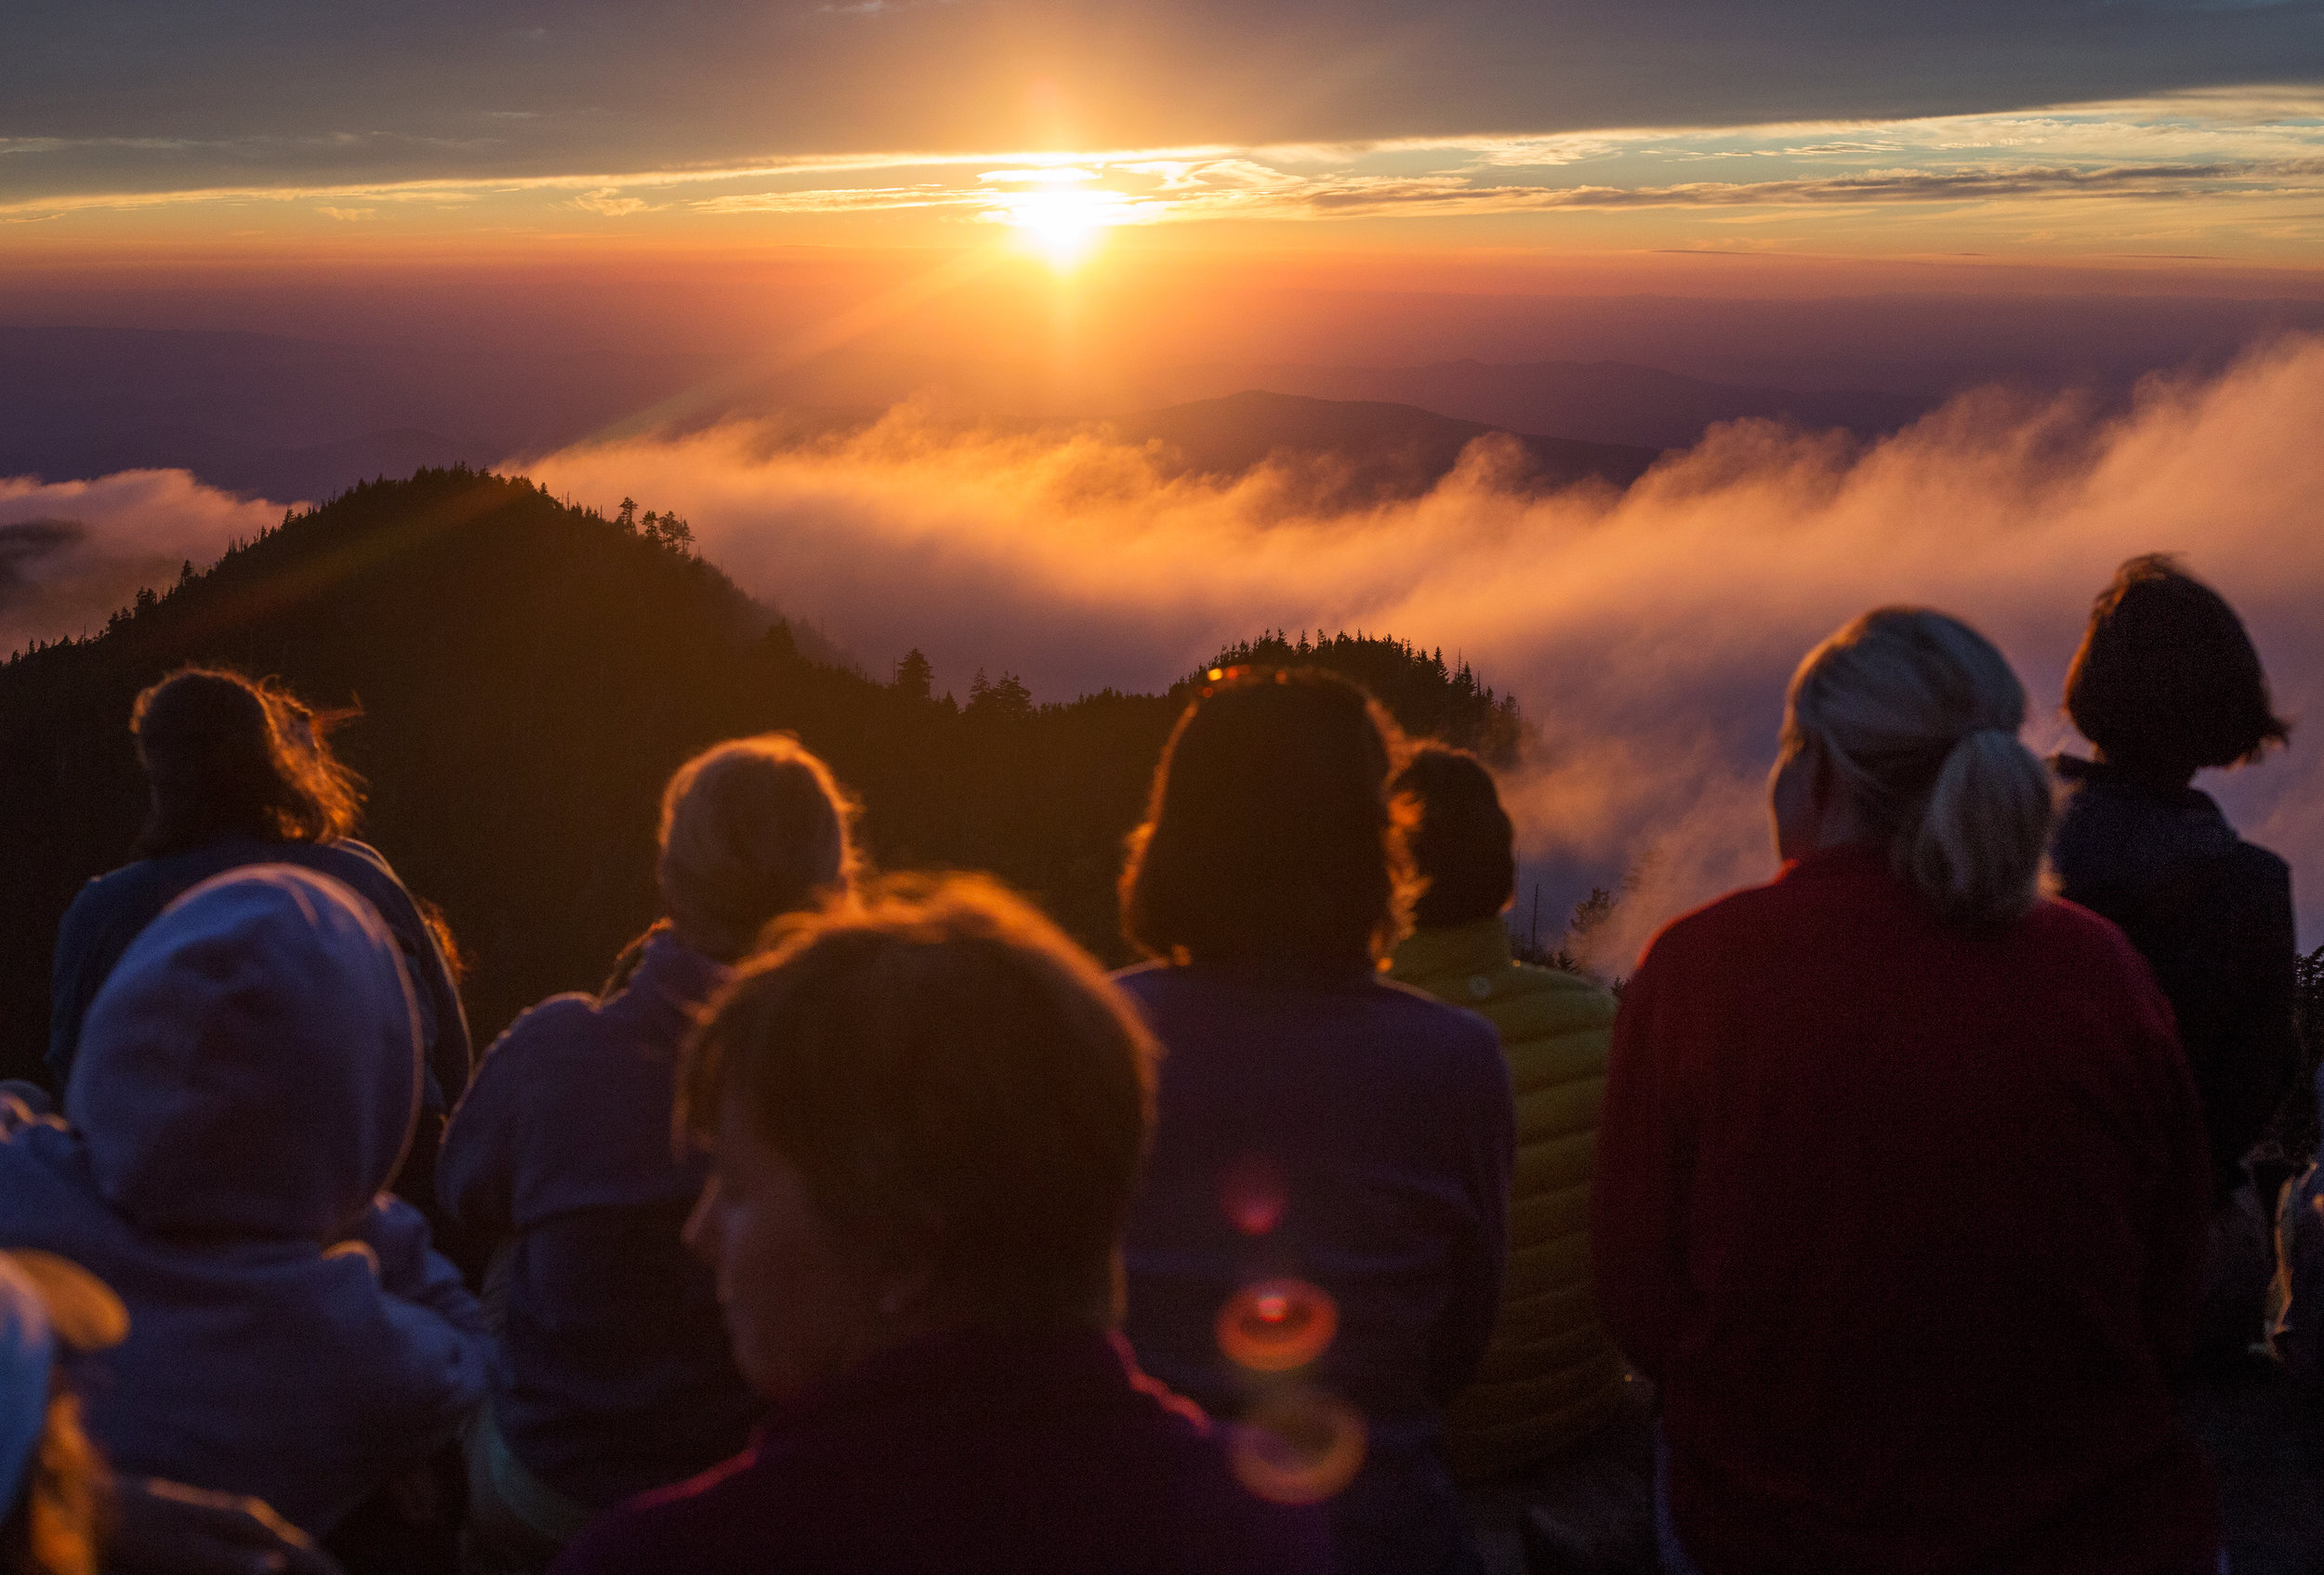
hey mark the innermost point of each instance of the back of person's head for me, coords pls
(251, 1068)
(1462, 842)
(957, 1085)
(751, 828)
(1269, 834)
(54, 1487)
(224, 755)
(2167, 680)
(1917, 715)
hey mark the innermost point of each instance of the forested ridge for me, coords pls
(528, 675)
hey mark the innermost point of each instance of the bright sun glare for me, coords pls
(1062, 224)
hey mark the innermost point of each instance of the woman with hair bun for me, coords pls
(613, 1374)
(1901, 1184)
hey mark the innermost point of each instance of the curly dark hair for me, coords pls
(2167, 680)
(1463, 846)
(223, 754)
(957, 1084)
(1270, 834)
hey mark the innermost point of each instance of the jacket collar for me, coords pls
(2114, 780)
(1849, 859)
(673, 972)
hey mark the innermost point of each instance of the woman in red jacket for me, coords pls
(1902, 1186)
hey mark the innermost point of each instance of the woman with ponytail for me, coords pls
(1901, 1184)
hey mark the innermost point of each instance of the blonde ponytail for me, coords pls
(1976, 848)
(1919, 714)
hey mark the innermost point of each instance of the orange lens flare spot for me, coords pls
(1296, 1446)
(1251, 1195)
(1277, 1325)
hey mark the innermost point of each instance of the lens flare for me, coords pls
(1298, 1446)
(1277, 1325)
(1251, 1191)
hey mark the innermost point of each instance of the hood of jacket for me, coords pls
(252, 1067)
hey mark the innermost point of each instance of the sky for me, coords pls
(2158, 137)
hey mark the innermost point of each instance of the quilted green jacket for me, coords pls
(1552, 1375)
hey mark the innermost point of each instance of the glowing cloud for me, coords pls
(71, 552)
(1648, 636)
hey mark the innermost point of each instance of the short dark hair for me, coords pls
(223, 755)
(2167, 678)
(957, 1083)
(1269, 834)
(1463, 846)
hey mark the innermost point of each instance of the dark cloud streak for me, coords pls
(283, 92)
(1351, 198)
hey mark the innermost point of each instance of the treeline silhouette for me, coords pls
(529, 673)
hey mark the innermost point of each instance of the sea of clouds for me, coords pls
(1648, 634)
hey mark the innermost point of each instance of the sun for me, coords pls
(1062, 226)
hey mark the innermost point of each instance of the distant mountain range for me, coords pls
(297, 418)
(286, 474)
(1601, 401)
(292, 418)
(1348, 452)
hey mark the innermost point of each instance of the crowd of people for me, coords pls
(864, 1223)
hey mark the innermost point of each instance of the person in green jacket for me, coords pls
(1551, 1377)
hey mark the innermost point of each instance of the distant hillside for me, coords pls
(297, 419)
(1604, 402)
(322, 470)
(529, 674)
(1356, 451)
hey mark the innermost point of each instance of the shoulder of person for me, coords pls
(1711, 929)
(1536, 1002)
(101, 894)
(669, 1527)
(2259, 868)
(355, 848)
(1560, 983)
(2086, 942)
(366, 869)
(546, 1024)
(1447, 1022)
(38, 1154)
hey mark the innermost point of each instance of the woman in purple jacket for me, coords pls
(1318, 1246)
(613, 1373)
